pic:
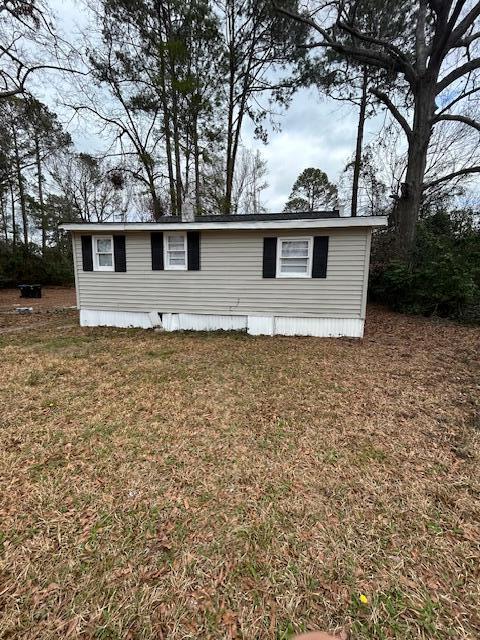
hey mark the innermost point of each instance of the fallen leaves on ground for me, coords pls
(227, 486)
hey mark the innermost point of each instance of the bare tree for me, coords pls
(111, 103)
(370, 183)
(249, 182)
(29, 44)
(384, 165)
(86, 185)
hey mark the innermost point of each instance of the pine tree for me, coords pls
(312, 191)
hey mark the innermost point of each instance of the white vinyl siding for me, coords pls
(230, 281)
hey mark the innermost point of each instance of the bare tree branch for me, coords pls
(20, 88)
(457, 118)
(399, 57)
(420, 43)
(305, 20)
(464, 94)
(363, 55)
(467, 41)
(393, 110)
(464, 25)
(450, 176)
(457, 73)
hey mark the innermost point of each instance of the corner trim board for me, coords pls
(75, 269)
(366, 270)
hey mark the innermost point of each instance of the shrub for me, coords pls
(27, 264)
(443, 277)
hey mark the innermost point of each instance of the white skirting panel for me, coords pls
(320, 327)
(202, 322)
(265, 325)
(255, 325)
(261, 325)
(121, 319)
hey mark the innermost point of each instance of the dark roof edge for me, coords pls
(248, 217)
(260, 217)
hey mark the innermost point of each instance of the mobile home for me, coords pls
(288, 274)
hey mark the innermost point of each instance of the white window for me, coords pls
(294, 257)
(103, 253)
(176, 251)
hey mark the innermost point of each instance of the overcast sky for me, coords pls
(315, 131)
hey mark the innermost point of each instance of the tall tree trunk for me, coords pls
(176, 147)
(235, 124)
(238, 103)
(14, 219)
(231, 107)
(187, 160)
(174, 112)
(196, 163)
(236, 140)
(21, 191)
(358, 149)
(408, 205)
(43, 216)
(157, 207)
(3, 209)
(166, 112)
(168, 149)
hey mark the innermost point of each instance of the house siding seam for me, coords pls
(230, 281)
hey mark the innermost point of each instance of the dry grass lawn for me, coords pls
(224, 486)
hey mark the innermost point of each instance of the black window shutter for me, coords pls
(87, 254)
(119, 253)
(269, 257)
(320, 257)
(156, 239)
(193, 250)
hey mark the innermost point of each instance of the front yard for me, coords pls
(224, 486)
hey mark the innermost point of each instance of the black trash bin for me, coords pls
(30, 290)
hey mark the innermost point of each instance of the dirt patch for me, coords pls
(55, 307)
(226, 486)
(52, 298)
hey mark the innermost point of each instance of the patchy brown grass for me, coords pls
(220, 486)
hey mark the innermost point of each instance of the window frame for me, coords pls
(166, 262)
(308, 273)
(96, 265)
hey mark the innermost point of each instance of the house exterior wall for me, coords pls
(230, 281)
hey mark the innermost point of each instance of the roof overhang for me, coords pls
(325, 223)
